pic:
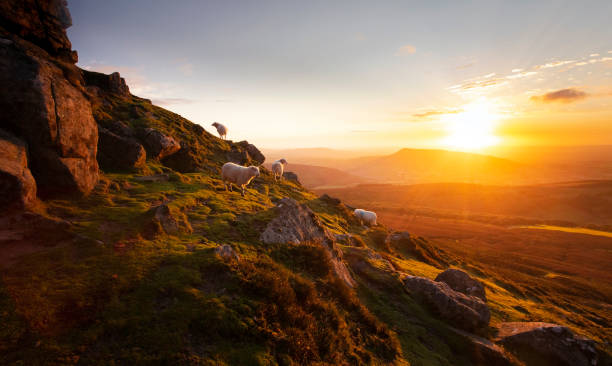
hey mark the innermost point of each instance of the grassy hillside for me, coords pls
(118, 289)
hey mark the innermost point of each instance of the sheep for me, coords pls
(278, 167)
(221, 129)
(239, 175)
(368, 217)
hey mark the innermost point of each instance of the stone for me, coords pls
(291, 176)
(460, 281)
(51, 114)
(297, 224)
(43, 23)
(17, 185)
(226, 252)
(186, 160)
(119, 153)
(164, 221)
(461, 311)
(253, 152)
(159, 145)
(112, 83)
(484, 352)
(546, 344)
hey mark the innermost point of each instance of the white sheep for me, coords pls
(221, 129)
(368, 217)
(278, 167)
(239, 175)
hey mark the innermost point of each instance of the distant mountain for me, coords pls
(426, 166)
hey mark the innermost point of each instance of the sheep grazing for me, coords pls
(221, 129)
(239, 175)
(364, 216)
(278, 167)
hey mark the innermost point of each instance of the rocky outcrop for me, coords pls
(462, 282)
(186, 160)
(119, 153)
(297, 224)
(226, 252)
(42, 100)
(460, 310)
(483, 352)
(252, 151)
(17, 185)
(291, 176)
(546, 344)
(111, 83)
(159, 145)
(43, 23)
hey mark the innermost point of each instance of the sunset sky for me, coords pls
(360, 74)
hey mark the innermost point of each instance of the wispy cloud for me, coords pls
(406, 50)
(548, 65)
(435, 112)
(569, 95)
(172, 101)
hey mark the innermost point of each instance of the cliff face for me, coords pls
(42, 100)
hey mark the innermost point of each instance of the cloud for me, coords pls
(520, 75)
(406, 50)
(554, 64)
(172, 101)
(569, 95)
(465, 66)
(434, 112)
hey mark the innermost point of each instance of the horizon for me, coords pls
(357, 76)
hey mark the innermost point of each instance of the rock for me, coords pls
(119, 153)
(158, 145)
(17, 185)
(121, 129)
(462, 282)
(112, 83)
(237, 156)
(253, 152)
(330, 200)
(186, 160)
(460, 310)
(483, 352)
(226, 252)
(291, 176)
(297, 224)
(49, 111)
(164, 221)
(546, 344)
(43, 23)
(416, 247)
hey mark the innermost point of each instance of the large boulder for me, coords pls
(17, 185)
(546, 344)
(186, 160)
(42, 102)
(43, 23)
(119, 153)
(297, 224)
(462, 282)
(461, 311)
(159, 145)
(483, 352)
(253, 152)
(112, 83)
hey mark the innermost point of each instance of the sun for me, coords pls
(473, 128)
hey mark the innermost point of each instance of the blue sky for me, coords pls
(346, 73)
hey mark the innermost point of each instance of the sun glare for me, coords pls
(473, 128)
